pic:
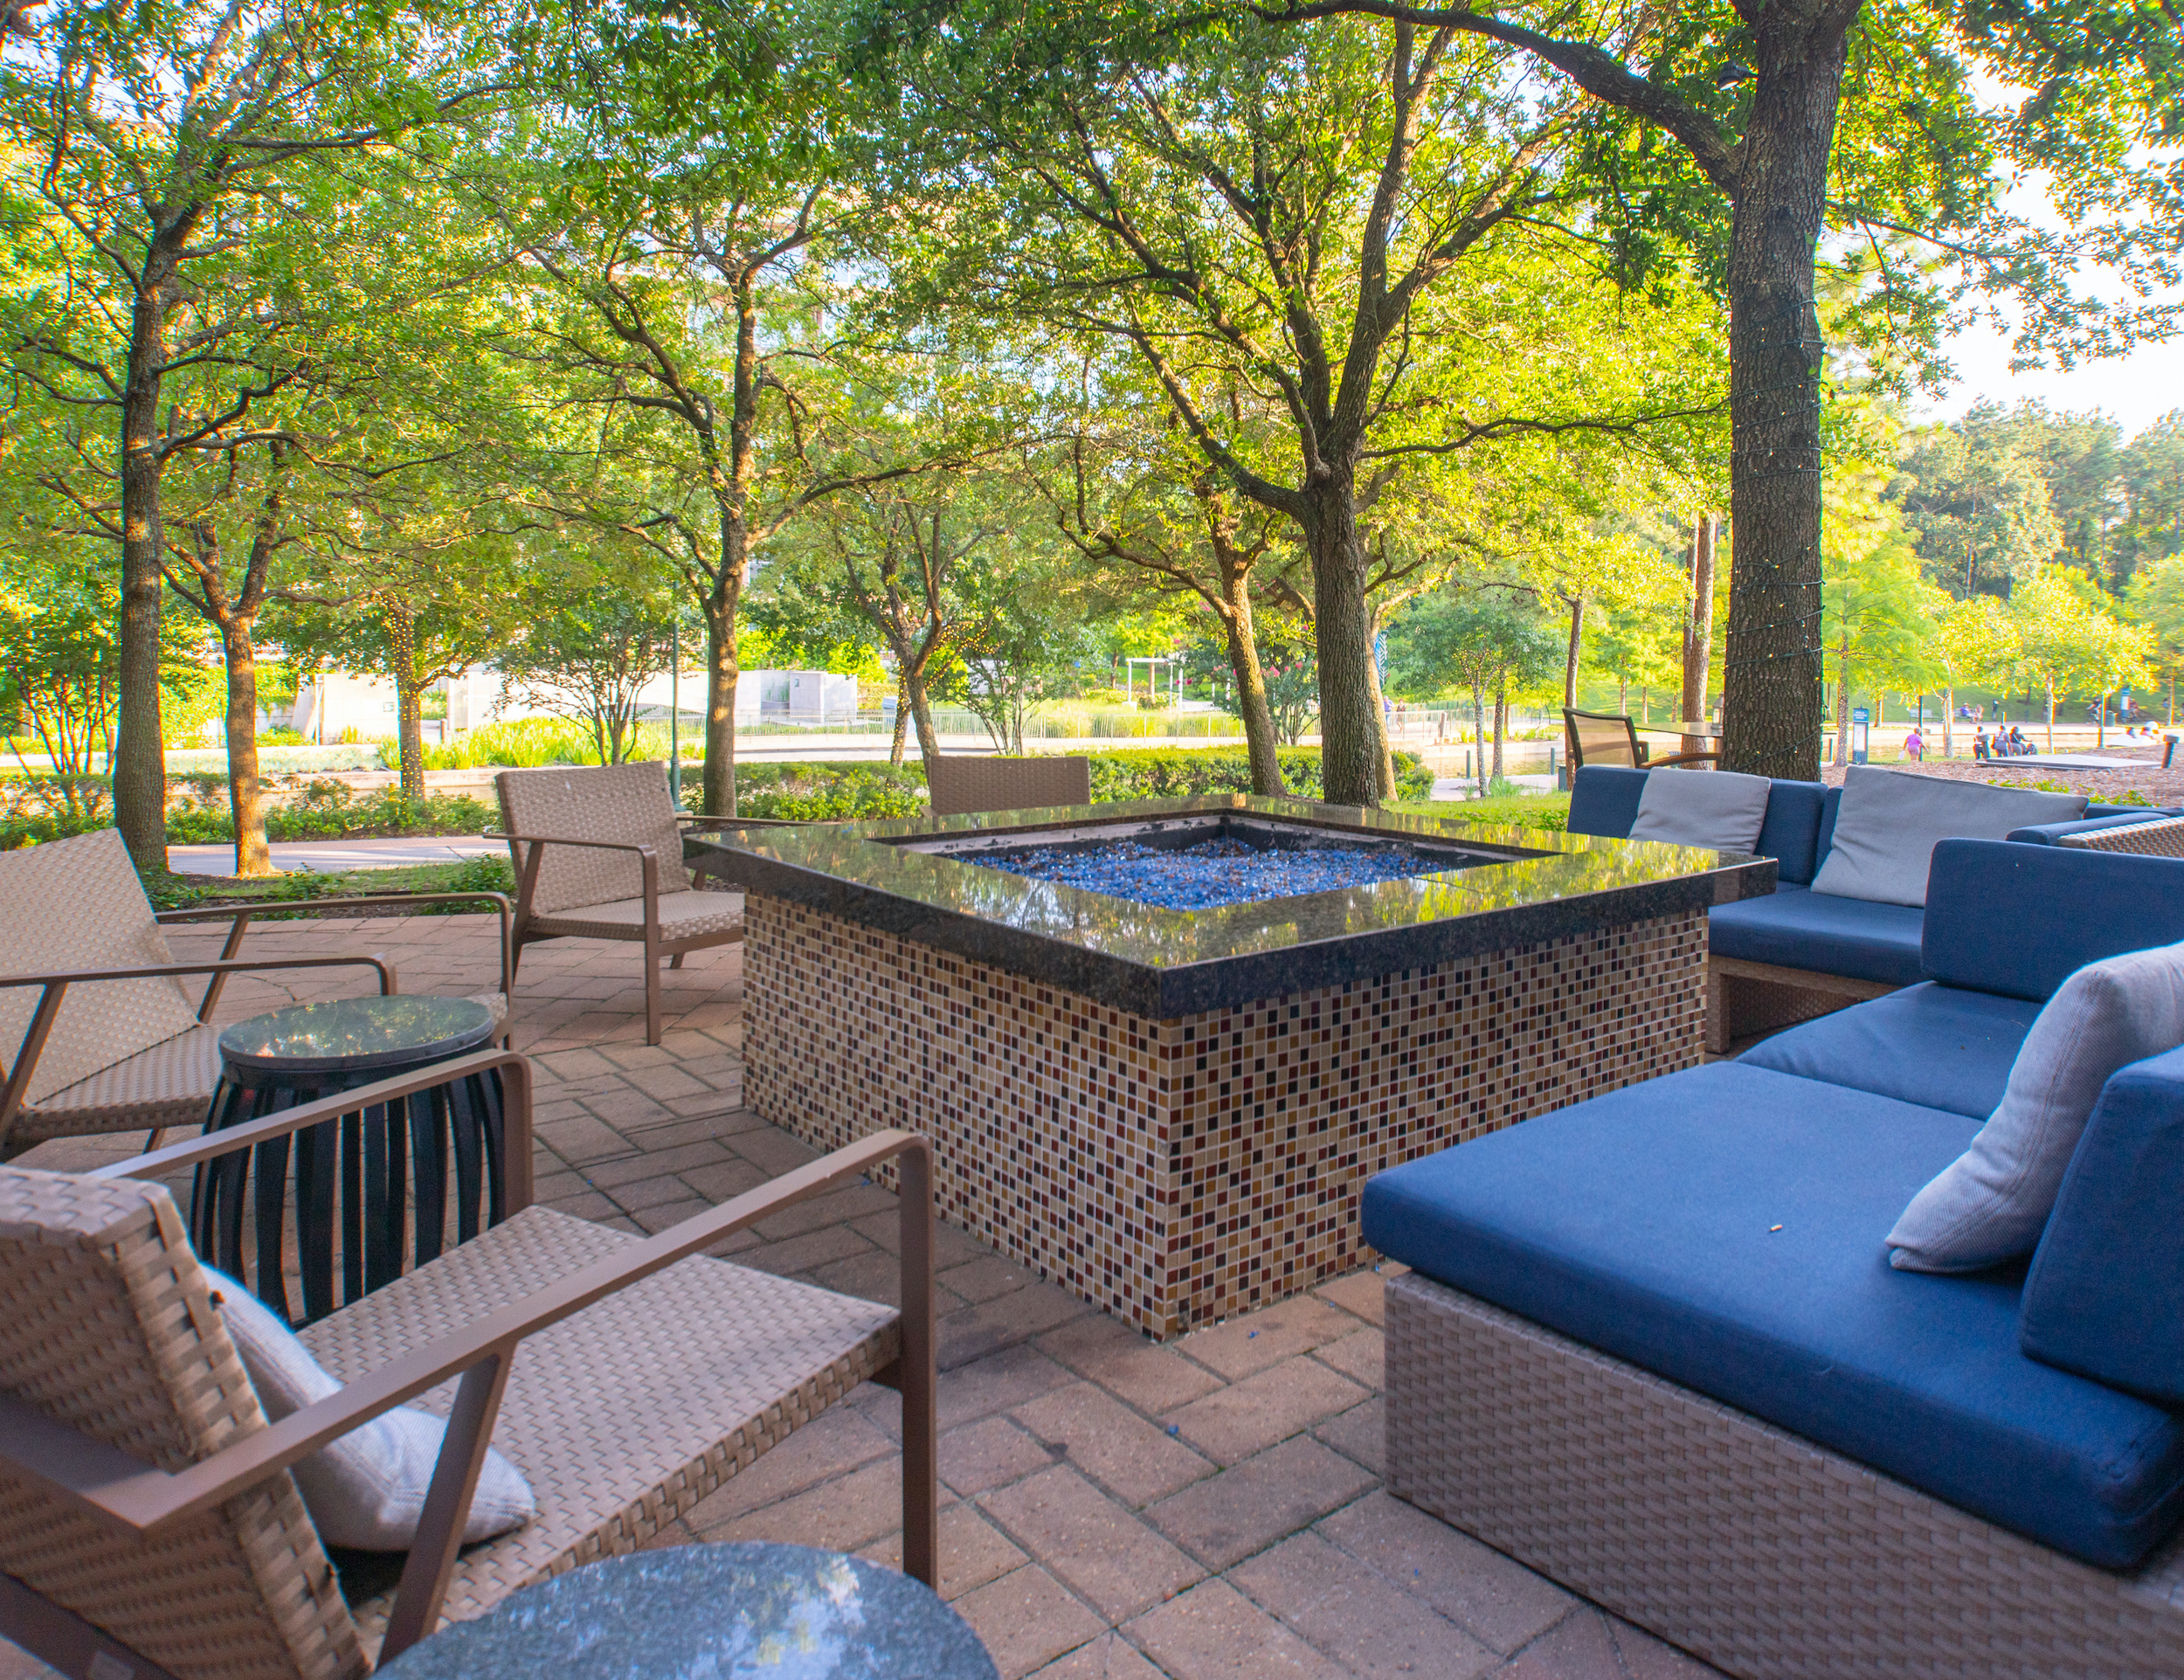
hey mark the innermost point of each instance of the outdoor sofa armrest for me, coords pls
(241, 914)
(57, 986)
(122, 1491)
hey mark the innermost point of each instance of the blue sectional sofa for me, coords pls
(1796, 954)
(1652, 1345)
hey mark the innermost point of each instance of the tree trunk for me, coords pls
(1770, 701)
(1698, 627)
(1383, 756)
(902, 719)
(1577, 649)
(1948, 722)
(1843, 708)
(720, 675)
(1342, 623)
(138, 764)
(408, 702)
(1501, 722)
(1478, 731)
(921, 714)
(1260, 743)
(245, 793)
(2051, 685)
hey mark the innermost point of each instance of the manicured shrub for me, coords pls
(1182, 772)
(821, 792)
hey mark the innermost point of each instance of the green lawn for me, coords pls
(1523, 810)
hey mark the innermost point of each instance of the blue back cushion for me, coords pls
(1831, 803)
(1604, 800)
(1791, 833)
(2020, 920)
(2103, 1296)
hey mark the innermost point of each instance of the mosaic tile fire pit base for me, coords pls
(1173, 1172)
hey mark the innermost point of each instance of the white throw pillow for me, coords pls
(1992, 1202)
(366, 1490)
(1720, 809)
(1890, 821)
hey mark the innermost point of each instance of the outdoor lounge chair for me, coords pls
(110, 1043)
(1607, 738)
(149, 1526)
(962, 784)
(564, 827)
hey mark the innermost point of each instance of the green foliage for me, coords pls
(822, 792)
(1550, 811)
(1181, 773)
(493, 873)
(329, 810)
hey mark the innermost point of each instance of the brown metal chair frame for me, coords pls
(1638, 749)
(140, 1500)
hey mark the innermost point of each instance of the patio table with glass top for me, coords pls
(353, 1178)
(1160, 1044)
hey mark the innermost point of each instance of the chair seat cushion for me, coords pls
(1794, 927)
(682, 915)
(1940, 1047)
(1721, 1227)
(169, 1084)
(624, 1416)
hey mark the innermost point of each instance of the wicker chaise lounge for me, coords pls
(108, 1041)
(1651, 1344)
(599, 855)
(149, 1526)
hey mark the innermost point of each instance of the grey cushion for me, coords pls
(1891, 819)
(1719, 809)
(366, 1490)
(1992, 1202)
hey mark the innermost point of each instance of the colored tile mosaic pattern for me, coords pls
(1176, 1171)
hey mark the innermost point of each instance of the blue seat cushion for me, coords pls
(1722, 1228)
(1940, 1047)
(1796, 927)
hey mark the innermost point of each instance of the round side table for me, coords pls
(292, 1056)
(735, 1612)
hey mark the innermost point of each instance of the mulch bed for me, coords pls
(2145, 778)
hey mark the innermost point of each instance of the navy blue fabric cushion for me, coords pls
(2051, 833)
(1940, 1047)
(1723, 1227)
(1828, 805)
(2102, 1297)
(1604, 799)
(1796, 927)
(1791, 833)
(2020, 920)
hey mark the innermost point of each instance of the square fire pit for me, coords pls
(1160, 1045)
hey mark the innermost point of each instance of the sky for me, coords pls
(2134, 390)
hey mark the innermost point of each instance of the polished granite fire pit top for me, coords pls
(1484, 887)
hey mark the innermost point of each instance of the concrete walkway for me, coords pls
(1210, 1508)
(335, 857)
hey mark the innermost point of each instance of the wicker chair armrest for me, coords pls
(640, 848)
(142, 1500)
(157, 970)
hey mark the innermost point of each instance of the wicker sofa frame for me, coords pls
(1748, 1546)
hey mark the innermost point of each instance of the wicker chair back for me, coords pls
(627, 803)
(108, 1325)
(72, 905)
(962, 785)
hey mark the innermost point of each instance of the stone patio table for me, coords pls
(1174, 1112)
(291, 1056)
(783, 1612)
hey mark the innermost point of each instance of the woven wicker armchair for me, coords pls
(149, 1526)
(109, 1040)
(1611, 738)
(565, 827)
(963, 784)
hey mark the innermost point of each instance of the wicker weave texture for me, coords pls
(963, 784)
(682, 915)
(1751, 1547)
(625, 1415)
(77, 904)
(107, 1325)
(2163, 839)
(624, 803)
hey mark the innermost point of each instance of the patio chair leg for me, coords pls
(652, 993)
(675, 961)
(920, 1459)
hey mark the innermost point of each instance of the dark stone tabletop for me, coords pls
(357, 1034)
(742, 1611)
(1520, 886)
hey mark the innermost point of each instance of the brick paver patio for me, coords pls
(1110, 1507)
